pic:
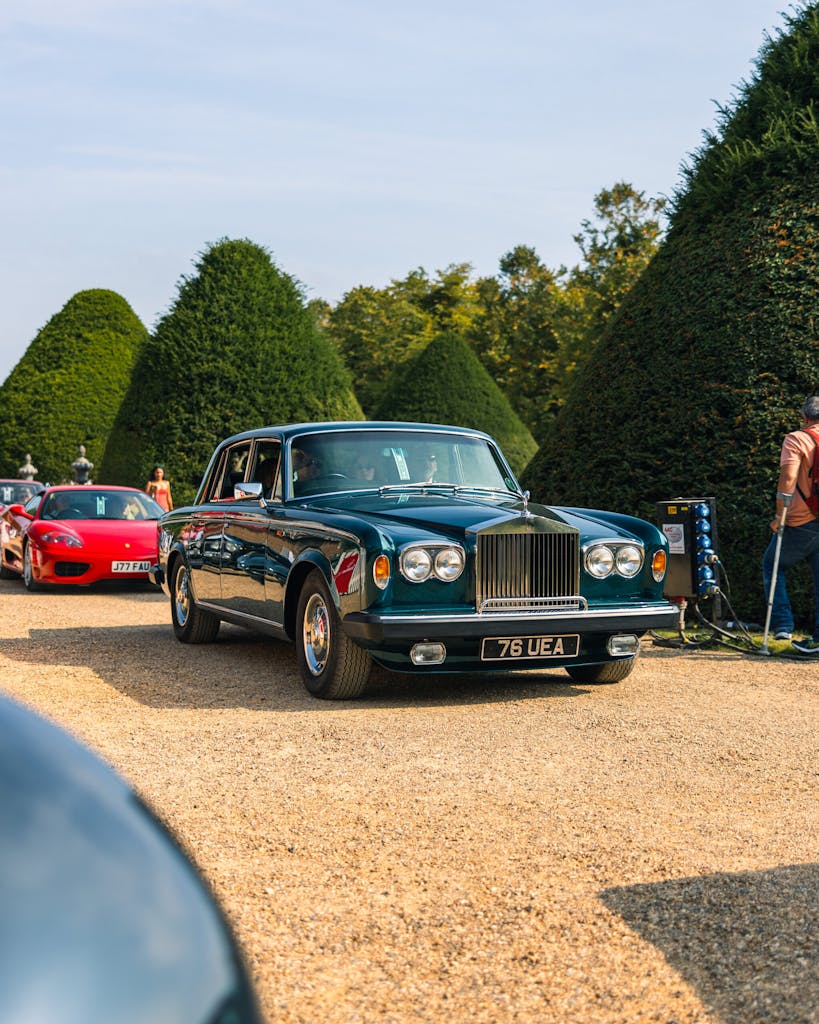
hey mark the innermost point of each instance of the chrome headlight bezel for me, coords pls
(598, 560)
(442, 562)
(449, 564)
(628, 560)
(603, 558)
(415, 564)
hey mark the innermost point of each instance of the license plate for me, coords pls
(130, 566)
(516, 648)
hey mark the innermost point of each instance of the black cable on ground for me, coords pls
(720, 638)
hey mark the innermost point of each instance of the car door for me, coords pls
(14, 529)
(205, 544)
(245, 548)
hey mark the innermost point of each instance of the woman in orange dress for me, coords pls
(159, 488)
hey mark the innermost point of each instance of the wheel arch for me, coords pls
(295, 581)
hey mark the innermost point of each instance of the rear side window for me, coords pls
(229, 471)
(267, 467)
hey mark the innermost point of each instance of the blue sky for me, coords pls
(355, 140)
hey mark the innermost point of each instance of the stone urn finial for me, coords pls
(82, 467)
(27, 471)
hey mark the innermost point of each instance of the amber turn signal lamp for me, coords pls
(658, 564)
(381, 571)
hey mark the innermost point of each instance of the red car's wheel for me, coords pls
(28, 570)
(5, 572)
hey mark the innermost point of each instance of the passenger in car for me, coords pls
(364, 467)
(267, 476)
(306, 467)
(428, 467)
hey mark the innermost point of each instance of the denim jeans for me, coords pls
(799, 544)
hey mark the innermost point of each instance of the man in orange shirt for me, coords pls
(800, 541)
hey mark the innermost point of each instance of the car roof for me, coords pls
(290, 430)
(92, 488)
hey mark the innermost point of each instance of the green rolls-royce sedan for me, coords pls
(409, 545)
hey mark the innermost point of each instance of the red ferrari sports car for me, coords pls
(80, 534)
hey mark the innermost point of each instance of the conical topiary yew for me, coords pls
(712, 354)
(68, 387)
(446, 383)
(238, 349)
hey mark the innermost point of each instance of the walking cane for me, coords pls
(780, 530)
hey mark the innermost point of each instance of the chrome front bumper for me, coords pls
(376, 628)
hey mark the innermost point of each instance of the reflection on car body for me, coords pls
(104, 919)
(409, 545)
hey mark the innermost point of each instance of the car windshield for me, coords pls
(356, 460)
(79, 503)
(13, 492)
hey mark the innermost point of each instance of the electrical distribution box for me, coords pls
(690, 527)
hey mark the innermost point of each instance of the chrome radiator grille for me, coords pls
(516, 571)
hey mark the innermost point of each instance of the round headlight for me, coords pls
(599, 561)
(416, 564)
(629, 560)
(449, 564)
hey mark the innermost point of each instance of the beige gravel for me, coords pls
(463, 849)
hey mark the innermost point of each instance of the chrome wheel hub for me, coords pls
(316, 635)
(181, 597)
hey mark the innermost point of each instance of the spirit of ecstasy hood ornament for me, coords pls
(525, 513)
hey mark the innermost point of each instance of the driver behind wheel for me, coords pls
(59, 506)
(306, 467)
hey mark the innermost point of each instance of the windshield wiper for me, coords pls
(454, 488)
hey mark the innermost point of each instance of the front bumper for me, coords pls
(374, 629)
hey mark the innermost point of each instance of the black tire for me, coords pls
(191, 624)
(606, 672)
(331, 665)
(28, 574)
(5, 572)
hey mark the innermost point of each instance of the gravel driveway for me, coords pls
(461, 849)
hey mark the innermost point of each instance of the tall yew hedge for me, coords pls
(710, 357)
(68, 387)
(238, 349)
(446, 383)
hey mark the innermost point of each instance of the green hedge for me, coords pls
(700, 376)
(446, 383)
(68, 387)
(711, 356)
(238, 349)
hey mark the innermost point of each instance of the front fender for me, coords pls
(299, 572)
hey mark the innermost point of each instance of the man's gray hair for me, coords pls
(810, 410)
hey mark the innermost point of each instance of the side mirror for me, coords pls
(18, 510)
(251, 489)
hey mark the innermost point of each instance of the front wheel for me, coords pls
(331, 665)
(5, 572)
(191, 624)
(606, 672)
(28, 571)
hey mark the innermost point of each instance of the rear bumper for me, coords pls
(373, 629)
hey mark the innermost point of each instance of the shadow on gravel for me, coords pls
(747, 943)
(243, 669)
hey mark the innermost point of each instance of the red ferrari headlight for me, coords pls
(57, 537)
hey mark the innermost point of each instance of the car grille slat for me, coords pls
(520, 571)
